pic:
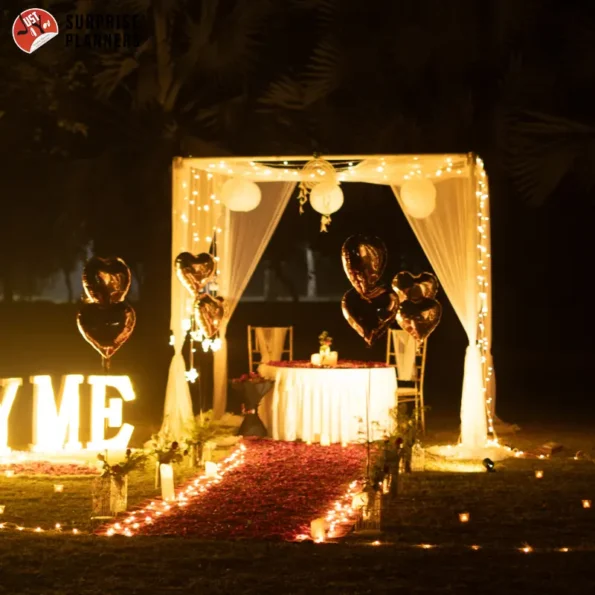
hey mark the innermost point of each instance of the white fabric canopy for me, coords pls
(455, 238)
(247, 237)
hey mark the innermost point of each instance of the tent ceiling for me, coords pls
(372, 169)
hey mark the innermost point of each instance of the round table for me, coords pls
(328, 404)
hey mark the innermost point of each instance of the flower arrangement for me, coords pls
(119, 471)
(325, 339)
(165, 451)
(251, 377)
(204, 429)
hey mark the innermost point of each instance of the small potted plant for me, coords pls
(325, 341)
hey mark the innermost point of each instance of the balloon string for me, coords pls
(368, 456)
(105, 365)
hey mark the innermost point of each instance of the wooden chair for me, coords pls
(410, 391)
(254, 362)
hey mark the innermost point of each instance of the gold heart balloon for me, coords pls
(106, 280)
(364, 260)
(106, 328)
(419, 318)
(209, 313)
(415, 287)
(370, 318)
(194, 272)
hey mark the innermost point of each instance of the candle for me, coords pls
(325, 440)
(2, 507)
(385, 486)
(538, 474)
(318, 529)
(316, 359)
(331, 359)
(464, 517)
(58, 487)
(586, 503)
(167, 483)
(9, 473)
(211, 469)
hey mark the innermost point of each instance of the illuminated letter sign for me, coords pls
(10, 386)
(51, 427)
(56, 427)
(113, 412)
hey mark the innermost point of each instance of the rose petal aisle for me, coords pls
(275, 494)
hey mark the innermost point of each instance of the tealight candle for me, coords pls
(464, 517)
(538, 474)
(58, 487)
(211, 469)
(318, 529)
(9, 473)
(586, 503)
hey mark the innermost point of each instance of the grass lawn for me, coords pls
(508, 509)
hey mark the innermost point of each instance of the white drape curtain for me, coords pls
(449, 238)
(270, 341)
(405, 349)
(194, 222)
(246, 237)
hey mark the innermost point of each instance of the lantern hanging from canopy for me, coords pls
(326, 198)
(419, 198)
(240, 195)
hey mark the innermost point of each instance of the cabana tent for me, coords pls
(455, 238)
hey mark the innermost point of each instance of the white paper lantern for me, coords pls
(240, 195)
(326, 198)
(419, 198)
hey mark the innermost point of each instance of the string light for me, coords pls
(37, 529)
(152, 512)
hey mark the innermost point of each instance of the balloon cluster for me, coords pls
(105, 320)
(195, 272)
(371, 307)
(419, 313)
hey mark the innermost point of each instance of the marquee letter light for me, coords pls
(10, 386)
(112, 413)
(51, 427)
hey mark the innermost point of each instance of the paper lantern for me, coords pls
(240, 195)
(419, 198)
(326, 198)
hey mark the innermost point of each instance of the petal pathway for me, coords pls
(275, 494)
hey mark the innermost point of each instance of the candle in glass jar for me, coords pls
(539, 474)
(586, 503)
(2, 508)
(316, 359)
(331, 359)
(464, 517)
(325, 440)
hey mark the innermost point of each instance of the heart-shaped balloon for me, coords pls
(106, 280)
(419, 318)
(364, 260)
(106, 328)
(415, 287)
(194, 272)
(370, 318)
(209, 313)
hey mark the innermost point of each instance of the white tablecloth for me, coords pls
(308, 403)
